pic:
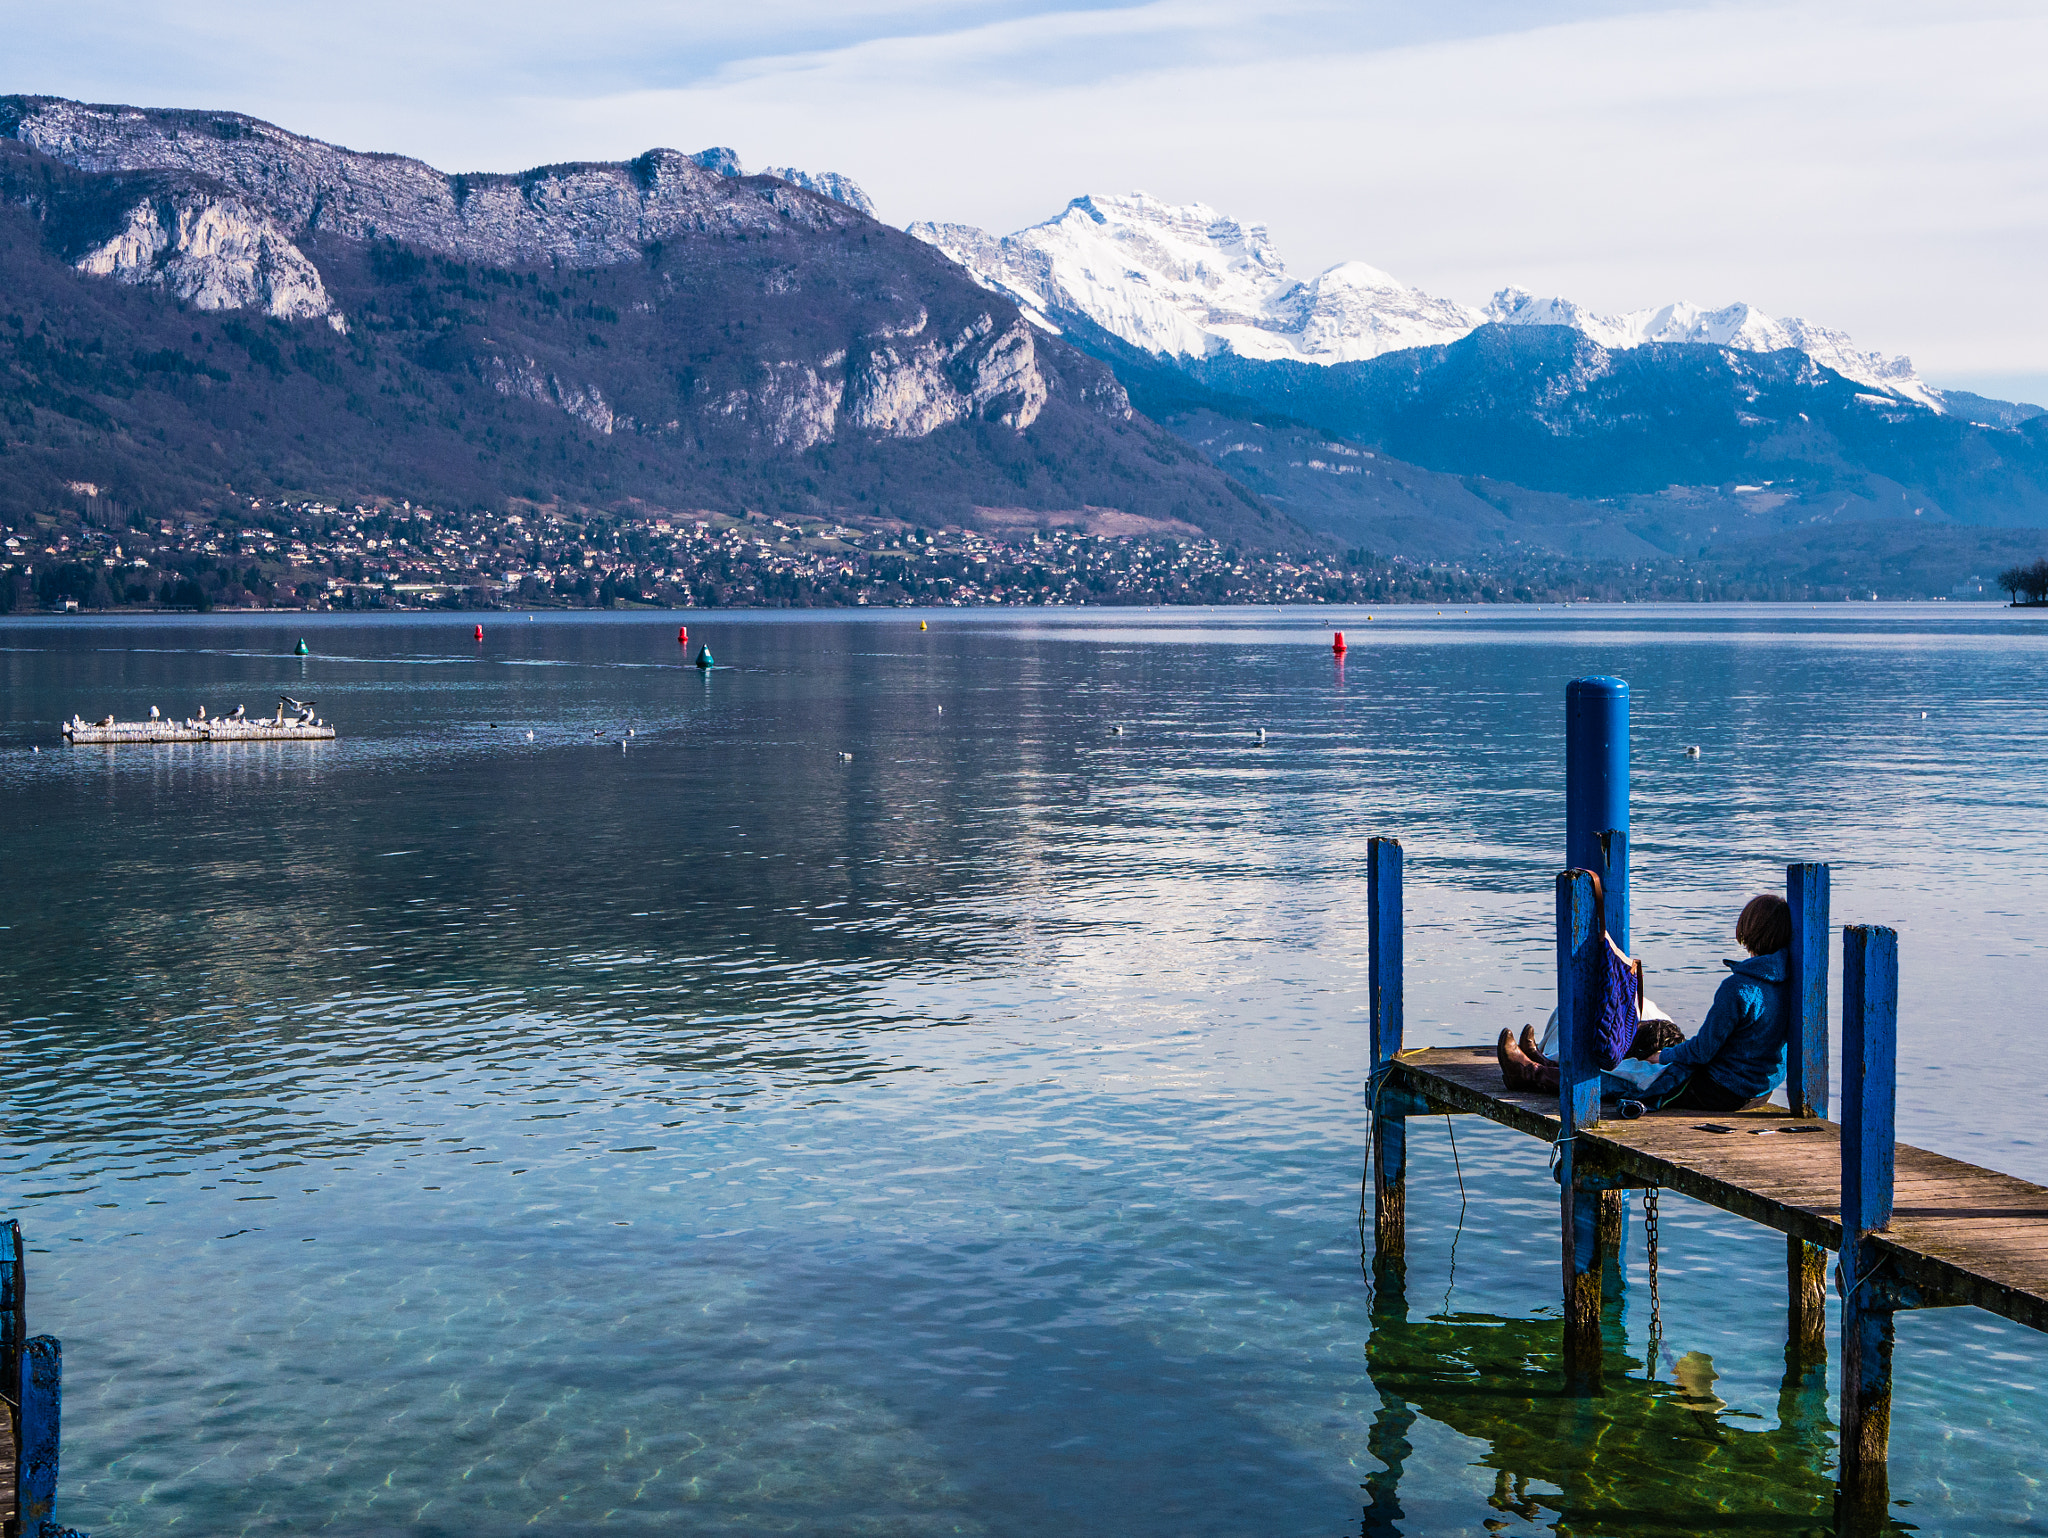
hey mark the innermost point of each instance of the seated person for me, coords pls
(1738, 1054)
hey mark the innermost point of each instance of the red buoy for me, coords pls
(479, 632)
(682, 635)
(1338, 645)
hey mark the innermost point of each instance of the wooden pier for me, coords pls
(1911, 1229)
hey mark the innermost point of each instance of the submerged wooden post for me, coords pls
(1806, 1092)
(13, 1333)
(1870, 1028)
(1389, 1127)
(1578, 1105)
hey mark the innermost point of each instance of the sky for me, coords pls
(1875, 166)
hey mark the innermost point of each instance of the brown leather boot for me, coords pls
(1530, 1050)
(1516, 1071)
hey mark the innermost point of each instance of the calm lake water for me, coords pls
(474, 1124)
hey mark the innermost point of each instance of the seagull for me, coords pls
(1262, 734)
(629, 731)
(529, 736)
(1117, 731)
(153, 713)
(846, 758)
(1693, 751)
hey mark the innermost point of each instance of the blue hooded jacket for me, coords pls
(1741, 1045)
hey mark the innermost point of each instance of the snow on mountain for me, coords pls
(1740, 326)
(1185, 281)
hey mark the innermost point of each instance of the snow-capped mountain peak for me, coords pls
(1740, 326)
(1183, 280)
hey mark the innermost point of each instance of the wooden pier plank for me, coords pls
(1969, 1234)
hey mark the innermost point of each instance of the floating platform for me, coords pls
(294, 722)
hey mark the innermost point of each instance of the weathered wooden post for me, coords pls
(1596, 833)
(1578, 1105)
(1596, 790)
(13, 1340)
(1870, 1029)
(1389, 1120)
(1806, 1091)
(1611, 1207)
(42, 1372)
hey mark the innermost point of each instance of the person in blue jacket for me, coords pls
(1738, 1053)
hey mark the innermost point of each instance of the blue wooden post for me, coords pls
(13, 1333)
(1806, 1052)
(1578, 1105)
(1596, 789)
(1389, 1128)
(1806, 1092)
(42, 1389)
(1870, 1031)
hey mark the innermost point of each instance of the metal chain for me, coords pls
(1656, 1304)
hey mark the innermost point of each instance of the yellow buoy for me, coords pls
(921, 625)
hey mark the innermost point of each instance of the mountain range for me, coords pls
(1185, 281)
(199, 307)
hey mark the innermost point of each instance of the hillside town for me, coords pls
(316, 555)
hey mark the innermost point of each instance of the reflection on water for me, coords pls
(1643, 1454)
(442, 1130)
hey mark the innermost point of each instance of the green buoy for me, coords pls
(704, 658)
(303, 648)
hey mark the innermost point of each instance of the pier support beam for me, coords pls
(1578, 1105)
(1806, 1310)
(1389, 1126)
(1870, 1028)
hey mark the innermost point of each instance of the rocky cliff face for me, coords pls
(581, 215)
(214, 253)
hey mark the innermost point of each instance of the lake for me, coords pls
(491, 1120)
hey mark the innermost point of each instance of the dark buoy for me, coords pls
(704, 658)
(1338, 645)
(479, 632)
(302, 648)
(682, 635)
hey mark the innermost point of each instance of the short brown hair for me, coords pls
(1765, 925)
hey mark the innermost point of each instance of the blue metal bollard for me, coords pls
(1870, 1033)
(1389, 1127)
(1578, 1105)
(1596, 787)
